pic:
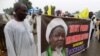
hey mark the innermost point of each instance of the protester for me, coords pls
(58, 13)
(2, 39)
(18, 34)
(92, 23)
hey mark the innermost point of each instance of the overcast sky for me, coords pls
(65, 5)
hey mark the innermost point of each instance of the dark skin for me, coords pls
(90, 14)
(21, 13)
(57, 38)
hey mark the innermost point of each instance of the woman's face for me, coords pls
(57, 37)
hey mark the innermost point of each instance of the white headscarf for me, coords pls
(55, 22)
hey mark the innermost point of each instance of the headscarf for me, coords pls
(54, 23)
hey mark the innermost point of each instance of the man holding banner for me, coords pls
(55, 36)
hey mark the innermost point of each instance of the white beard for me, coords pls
(57, 52)
(58, 49)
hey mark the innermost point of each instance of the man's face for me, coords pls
(57, 37)
(21, 12)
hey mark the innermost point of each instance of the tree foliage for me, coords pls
(98, 14)
(27, 3)
(8, 11)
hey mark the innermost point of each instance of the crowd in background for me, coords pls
(50, 11)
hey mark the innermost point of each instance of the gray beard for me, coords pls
(58, 49)
(58, 52)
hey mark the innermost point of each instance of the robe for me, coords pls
(55, 53)
(19, 39)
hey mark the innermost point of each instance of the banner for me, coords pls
(77, 34)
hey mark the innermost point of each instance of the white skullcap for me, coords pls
(53, 23)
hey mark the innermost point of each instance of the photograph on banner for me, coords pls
(53, 32)
(74, 32)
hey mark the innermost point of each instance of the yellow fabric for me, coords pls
(49, 10)
(84, 14)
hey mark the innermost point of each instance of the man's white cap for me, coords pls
(53, 23)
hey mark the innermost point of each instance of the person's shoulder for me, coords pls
(9, 23)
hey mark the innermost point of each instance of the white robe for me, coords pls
(55, 53)
(19, 39)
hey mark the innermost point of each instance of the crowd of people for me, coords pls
(19, 36)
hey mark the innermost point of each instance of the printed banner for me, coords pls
(77, 34)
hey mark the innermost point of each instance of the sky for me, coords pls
(64, 5)
(6, 4)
